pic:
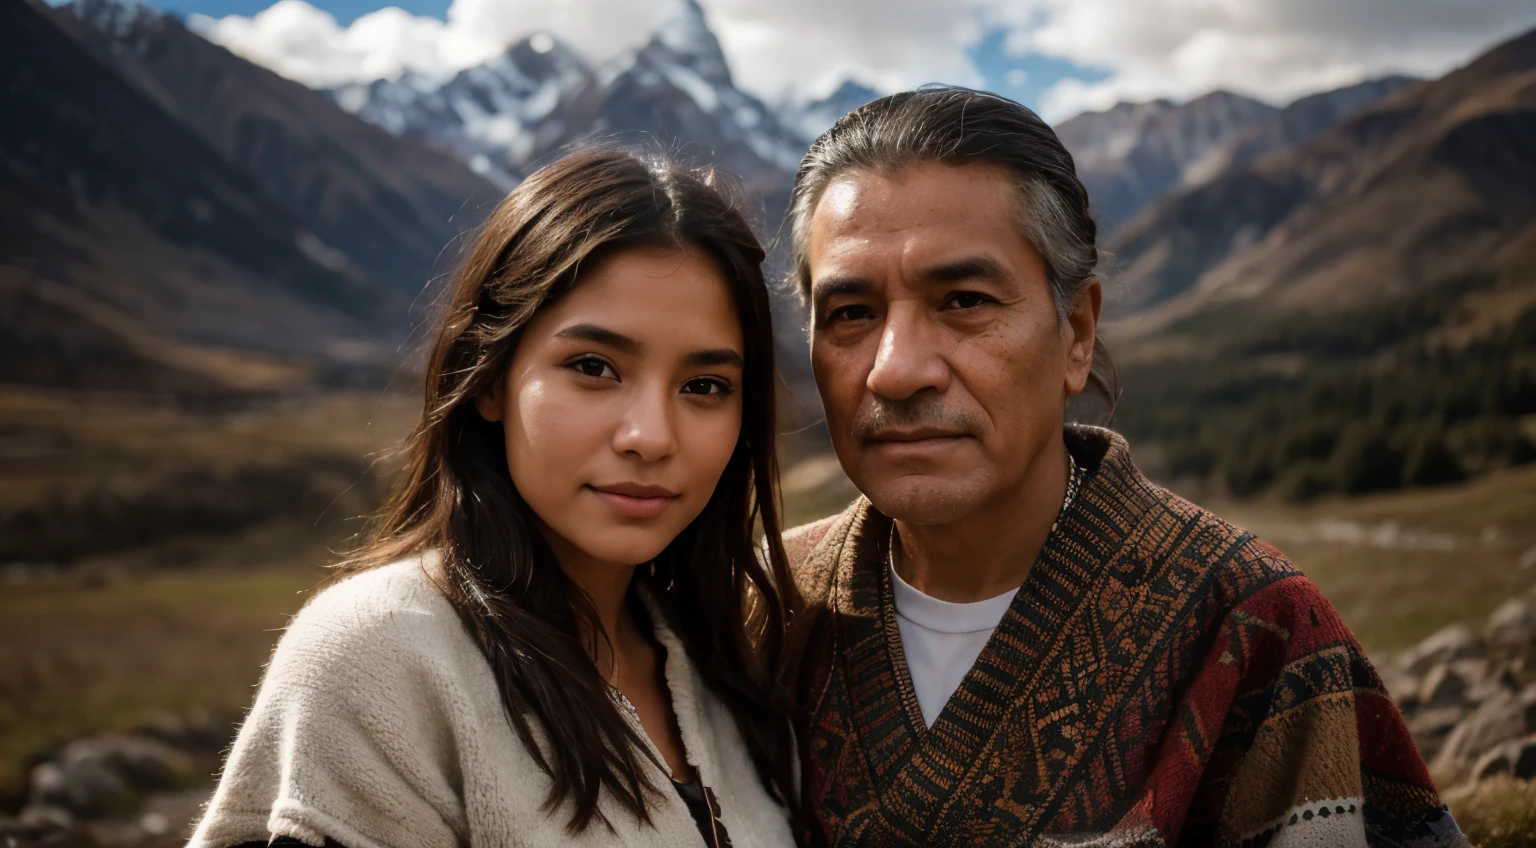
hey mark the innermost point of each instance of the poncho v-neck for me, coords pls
(1161, 678)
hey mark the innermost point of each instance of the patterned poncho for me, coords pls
(1161, 678)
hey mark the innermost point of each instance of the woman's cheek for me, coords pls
(713, 443)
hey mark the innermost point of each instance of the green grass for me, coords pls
(107, 656)
(1394, 597)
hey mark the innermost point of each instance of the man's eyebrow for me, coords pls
(969, 268)
(827, 288)
(600, 335)
(716, 356)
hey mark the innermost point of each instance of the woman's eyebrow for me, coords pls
(717, 356)
(624, 344)
(601, 335)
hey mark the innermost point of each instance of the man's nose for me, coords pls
(647, 430)
(908, 359)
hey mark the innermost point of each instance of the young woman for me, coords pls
(560, 631)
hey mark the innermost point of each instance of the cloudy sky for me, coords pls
(1060, 56)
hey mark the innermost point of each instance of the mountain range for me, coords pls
(674, 93)
(241, 228)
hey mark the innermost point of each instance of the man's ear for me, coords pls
(488, 402)
(1082, 328)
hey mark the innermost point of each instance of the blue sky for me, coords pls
(346, 11)
(1003, 70)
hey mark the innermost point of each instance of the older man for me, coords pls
(1014, 638)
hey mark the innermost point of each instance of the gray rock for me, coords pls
(1443, 687)
(1513, 624)
(1505, 716)
(103, 775)
(41, 817)
(1430, 727)
(85, 787)
(1516, 758)
(1455, 642)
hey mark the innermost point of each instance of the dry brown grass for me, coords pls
(1498, 813)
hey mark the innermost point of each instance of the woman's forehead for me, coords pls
(665, 298)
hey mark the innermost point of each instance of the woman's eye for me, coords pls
(706, 386)
(593, 367)
(968, 300)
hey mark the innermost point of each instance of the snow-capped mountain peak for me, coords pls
(811, 119)
(485, 112)
(682, 30)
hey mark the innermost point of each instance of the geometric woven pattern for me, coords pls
(1161, 678)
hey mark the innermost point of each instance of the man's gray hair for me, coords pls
(958, 125)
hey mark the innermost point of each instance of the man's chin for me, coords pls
(924, 499)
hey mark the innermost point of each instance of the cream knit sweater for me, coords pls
(379, 724)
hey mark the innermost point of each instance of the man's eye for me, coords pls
(967, 300)
(850, 313)
(706, 386)
(593, 367)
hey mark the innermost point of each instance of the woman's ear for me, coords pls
(488, 402)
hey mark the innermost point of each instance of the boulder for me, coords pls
(1505, 716)
(1455, 642)
(1443, 686)
(86, 788)
(1430, 727)
(1516, 758)
(103, 775)
(1513, 625)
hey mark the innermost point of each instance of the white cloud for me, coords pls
(808, 46)
(1272, 49)
(303, 43)
(811, 46)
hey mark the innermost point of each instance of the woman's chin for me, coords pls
(626, 552)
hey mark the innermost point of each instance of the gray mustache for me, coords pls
(923, 410)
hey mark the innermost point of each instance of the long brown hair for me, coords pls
(455, 497)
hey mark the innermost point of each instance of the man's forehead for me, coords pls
(919, 193)
(927, 214)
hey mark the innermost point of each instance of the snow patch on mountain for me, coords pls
(813, 117)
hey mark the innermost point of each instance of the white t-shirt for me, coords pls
(941, 640)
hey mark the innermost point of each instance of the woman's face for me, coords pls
(622, 404)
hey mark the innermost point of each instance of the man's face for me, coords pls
(941, 363)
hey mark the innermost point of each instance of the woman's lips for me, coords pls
(633, 500)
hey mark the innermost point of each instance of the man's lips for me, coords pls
(899, 437)
(635, 500)
(913, 443)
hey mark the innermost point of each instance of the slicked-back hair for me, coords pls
(455, 498)
(955, 125)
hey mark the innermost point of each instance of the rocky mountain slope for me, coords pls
(389, 205)
(673, 93)
(1131, 155)
(676, 92)
(486, 114)
(1421, 185)
(1353, 313)
(135, 255)
(812, 118)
